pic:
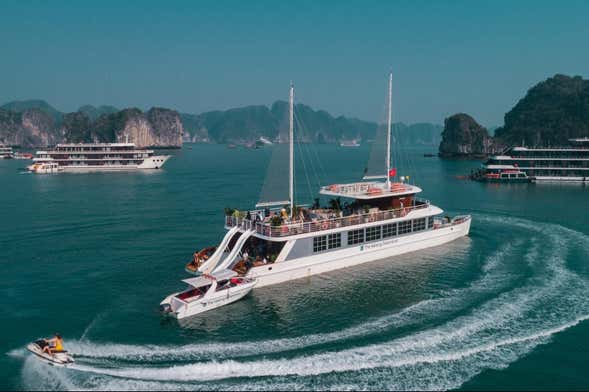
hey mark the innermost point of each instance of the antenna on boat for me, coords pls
(291, 138)
(388, 163)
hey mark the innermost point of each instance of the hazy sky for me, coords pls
(477, 57)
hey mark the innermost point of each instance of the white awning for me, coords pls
(205, 280)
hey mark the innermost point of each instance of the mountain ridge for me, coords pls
(235, 125)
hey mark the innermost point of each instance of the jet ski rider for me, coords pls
(53, 345)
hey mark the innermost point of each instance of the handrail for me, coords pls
(285, 230)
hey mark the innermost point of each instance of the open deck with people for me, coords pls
(273, 223)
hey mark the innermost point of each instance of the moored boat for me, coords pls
(539, 164)
(84, 157)
(45, 167)
(207, 292)
(6, 152)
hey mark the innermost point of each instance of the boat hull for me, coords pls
(151, 163)
(317, 264)
(216, 300)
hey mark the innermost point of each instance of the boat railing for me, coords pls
(285, 230)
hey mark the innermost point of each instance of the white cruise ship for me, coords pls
(381, 219)
(6, 152)
(543, 164)
(78, 157)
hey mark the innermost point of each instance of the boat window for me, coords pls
(430, 222)
(355, 236)
(320, 243)
(334, 240)
(405, 227)
(419, 224)
(373, 233)
(389, 230)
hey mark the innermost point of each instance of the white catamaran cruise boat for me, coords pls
(95, 157)
(381, 219)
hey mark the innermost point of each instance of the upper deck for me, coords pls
(323, 219)
(369, 190)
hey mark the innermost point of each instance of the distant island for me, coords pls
(551, 112)
(35, 123)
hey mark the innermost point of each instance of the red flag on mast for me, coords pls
(392, 172)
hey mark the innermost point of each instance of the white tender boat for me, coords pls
(58, 358)
(45, 168)
(207, 292)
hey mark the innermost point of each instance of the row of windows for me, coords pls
(374, 233)
(325, 242)
(389, 230)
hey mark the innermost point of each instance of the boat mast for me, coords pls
(291, 141)
(389, 131)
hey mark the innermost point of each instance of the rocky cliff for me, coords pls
(157, 128)
(463, 137)
(552, 112)
(35, 127)
(166, 128)
(250, 122)
(31, 127)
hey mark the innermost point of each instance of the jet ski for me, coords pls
(58, 358)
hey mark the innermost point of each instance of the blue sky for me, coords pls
(477, 57)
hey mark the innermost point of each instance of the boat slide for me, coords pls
(216, 256)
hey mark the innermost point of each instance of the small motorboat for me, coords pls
(57, 358)
(45, 167)
(206, 292)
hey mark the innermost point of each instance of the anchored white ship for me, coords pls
(80, 157)
(6, 152)
(349, 143)
(381, 219)
(565, 164)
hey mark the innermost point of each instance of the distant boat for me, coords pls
(6, 152)
(429, 155)
(349, 143)
(231, 145)
(77, 157)
(265, 141)
(551, 164)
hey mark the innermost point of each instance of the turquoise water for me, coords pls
(92, 255)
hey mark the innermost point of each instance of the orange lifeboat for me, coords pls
(398, 187)
(374, 191)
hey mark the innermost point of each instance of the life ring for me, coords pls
(324, 226)
(332, 187)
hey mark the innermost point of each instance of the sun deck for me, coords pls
(369, 190)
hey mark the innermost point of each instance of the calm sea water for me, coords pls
(92, 255)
